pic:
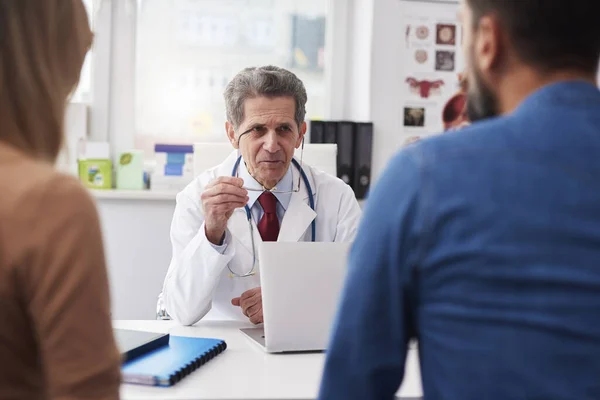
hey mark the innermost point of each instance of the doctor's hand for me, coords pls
(219, 199)
(251, 304)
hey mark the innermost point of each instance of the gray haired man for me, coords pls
(259, 193)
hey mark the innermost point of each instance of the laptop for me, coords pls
(301, 285)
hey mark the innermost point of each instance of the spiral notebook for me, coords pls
(167, 365)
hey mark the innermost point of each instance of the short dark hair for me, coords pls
(549, 34)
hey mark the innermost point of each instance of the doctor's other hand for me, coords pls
(219, 199)
(251, 303)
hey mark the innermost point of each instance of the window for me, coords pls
(188, 50)
(83, 93)
(76, 114)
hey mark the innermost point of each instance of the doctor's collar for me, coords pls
(284, 184)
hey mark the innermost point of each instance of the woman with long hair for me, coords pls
(56, 340)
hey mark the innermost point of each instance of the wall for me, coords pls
(386, 78)
(138, 252)
(387, 97)
(122, 112)
(374, 58)
(136, 231)
(375, 73)
(357, 104)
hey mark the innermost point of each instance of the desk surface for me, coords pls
(245, 371)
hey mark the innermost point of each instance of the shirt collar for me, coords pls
(285, 184)
(576, 93)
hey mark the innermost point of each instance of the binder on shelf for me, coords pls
(363, 147)
(317, 131)
(345, 156)
(330, 132)
(167, 365)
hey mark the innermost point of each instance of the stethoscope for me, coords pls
(311, 202)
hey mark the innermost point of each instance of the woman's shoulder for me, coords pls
(38, 207)
(30, 186)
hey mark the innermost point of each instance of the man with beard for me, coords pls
(483, 245)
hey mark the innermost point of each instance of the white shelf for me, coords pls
(146, 195)
(115, 194)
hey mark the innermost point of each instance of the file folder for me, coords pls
(330, 132)
(317, 131)
(363, 158)
(345, 156)
(167, 365)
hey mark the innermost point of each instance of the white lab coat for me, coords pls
(198, 282)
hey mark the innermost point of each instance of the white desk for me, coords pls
(245, 371)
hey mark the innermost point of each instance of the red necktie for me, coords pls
(268, 226)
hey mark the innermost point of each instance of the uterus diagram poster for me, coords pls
(432, 66)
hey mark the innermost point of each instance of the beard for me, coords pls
(482, 102)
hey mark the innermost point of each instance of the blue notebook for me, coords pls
(167, 365)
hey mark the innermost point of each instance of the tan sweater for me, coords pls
(56, 340)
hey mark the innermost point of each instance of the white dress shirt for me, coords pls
(283, 199)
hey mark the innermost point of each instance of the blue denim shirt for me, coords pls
(484, 245)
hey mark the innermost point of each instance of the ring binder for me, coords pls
(169, 364)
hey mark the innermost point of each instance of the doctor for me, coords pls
(261, 192)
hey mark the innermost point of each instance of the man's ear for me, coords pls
(488, 44)
(302, 132)
(231, 134)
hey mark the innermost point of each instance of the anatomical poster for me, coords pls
(431, 69)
